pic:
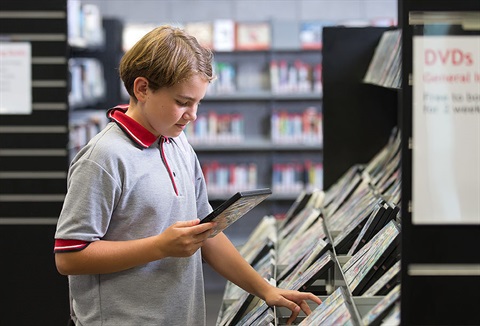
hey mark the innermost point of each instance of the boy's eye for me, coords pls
(182, 103)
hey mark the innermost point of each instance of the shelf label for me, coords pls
(15, 78)
(446, 130)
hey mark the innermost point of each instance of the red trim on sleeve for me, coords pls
(62, 245)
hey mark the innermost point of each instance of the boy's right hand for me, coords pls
(183, 239)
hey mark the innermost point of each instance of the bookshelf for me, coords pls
(88, 109)
(278, 128)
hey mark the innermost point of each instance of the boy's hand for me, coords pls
(183, 239)
(293, 300)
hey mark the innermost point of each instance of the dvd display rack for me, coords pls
(350, 260)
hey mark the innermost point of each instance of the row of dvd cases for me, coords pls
(342, 244)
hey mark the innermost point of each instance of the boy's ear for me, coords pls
(140, 88)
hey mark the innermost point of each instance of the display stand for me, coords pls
(440, 260)
(355, 288)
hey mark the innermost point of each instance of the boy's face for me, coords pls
(167, 111)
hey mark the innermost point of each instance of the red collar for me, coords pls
(132, 128)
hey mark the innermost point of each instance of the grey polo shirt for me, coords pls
(126, 184)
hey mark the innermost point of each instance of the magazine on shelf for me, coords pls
(375, 316)
(235, 207)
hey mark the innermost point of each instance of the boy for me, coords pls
(128, 234)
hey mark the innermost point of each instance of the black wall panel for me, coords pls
(33, 168)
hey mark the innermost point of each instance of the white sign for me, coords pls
(446, 130)
(15, 78)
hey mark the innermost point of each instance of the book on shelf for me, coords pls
(267, 318)
(234, 208)
(259, 251)
(365, 233)
(224, 35)
(222, 177)
(306, 199)
(252, 36)
(311, 34)
(375, 315)
(202, 31)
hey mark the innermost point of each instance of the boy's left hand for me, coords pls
(293, 300)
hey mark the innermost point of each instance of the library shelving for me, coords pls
(260, 125)
(354, 270)
(342, 243)
(94, 82)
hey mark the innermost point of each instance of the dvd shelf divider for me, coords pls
(358, 286)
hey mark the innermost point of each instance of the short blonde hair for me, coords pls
(165, 56)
